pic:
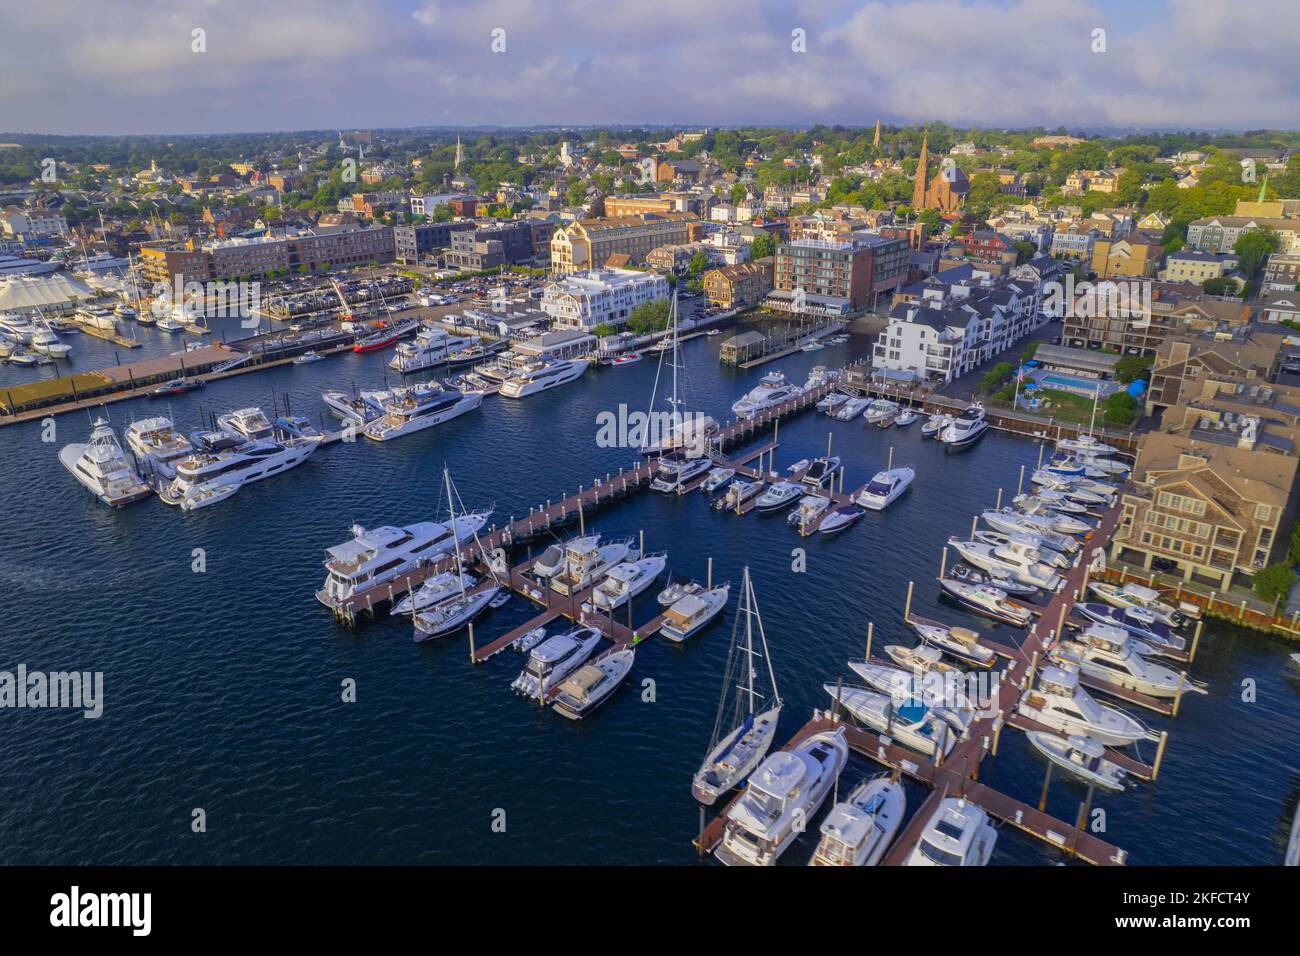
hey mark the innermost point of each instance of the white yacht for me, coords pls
(552, 561)
(173, 320)
(1139, 622)
(780, 495)
(1059, 702)
(434, 591)
(555, 659)
(96, 318)
(880, 409)
(1110, 654)
(414, 409)
(921, 659)
(859, 830)
(104, 468)
(1136, 595)
(739, 493)
(959, 834)
(675, 470)
(251, 423)
(1015, 559)
(206, 478)
(717, 478)
(810, 510)
(885, 487)
(357, 407)
(821, 472)
(383, 554)
(772, 390)
(626, 581)
(430, 347)
(677, 590)
(1029, 540)
(592, 684)
(1011, 521)
(1045, 499)
(158, 446)
(988, 600)
(907, 720)
(959, 642)
(934, 426)
(781, 796)
(1087, 445)
(965, 429)
(742, 732)
(585, 564)
(692, 611)
(1081, 756)
(45, 342)
(850, 409)
(538, 376)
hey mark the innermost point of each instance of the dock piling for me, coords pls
(1196, 639)
(1160, 755)
(907, 608)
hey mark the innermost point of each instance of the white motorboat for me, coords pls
(676, 470)
(554, 659)
(1141, 623)
(1059, 702)
(45, 342)
(907, 720)
(935, 425)
(783, 794)
(921, 659)
(692, 611)
(538, 376)
(809, 512)
(959, 834)
(21, 356)
(551, 561)
(879, 410)
(959, 642)
(626, 581)
(592, 684)
(252, 424)
(1054, 500)
(906, 416)
(530, 640)
(965, 429)
(1081, 756)
(434, 591)
(843, 517)
(431, 347)
(1013, 559)
(885, 487)
(989, 601)
(359, 408)
(96, 318)
(964, 572)
(738, 494)
(584, 567)
(306, 358)
(716, 479)
(1062, 523)
(822, 472)
(780, 495)
(832, 403)
(772, 390)
(103, 467)
(415, 409)
(158, 446)
(1028, 542)
(450, 616)
(1136, 595)
(1086, 445)
(851, 409)
(676, 591)
(747, 713)
(859, 830)
(1010, 521)
(1073, 483)
(207, 477)
(934, 687)
(1106, 469)
(379, 555)
(1109, 654)
(795, 467)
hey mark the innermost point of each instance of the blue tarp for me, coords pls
(1138, 388)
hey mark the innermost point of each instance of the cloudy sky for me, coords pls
(130, 66)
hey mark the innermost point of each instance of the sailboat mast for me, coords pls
(1096, 394)
(749, 636)
(673, 319)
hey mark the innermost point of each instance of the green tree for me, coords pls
(1121, 409)
(1131, 367)
(699, 262)
(762, 246)
(1274, 582)
(1254, 246)
(995, 376)
(738, 193)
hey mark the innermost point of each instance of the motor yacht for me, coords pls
(772, 390)
(307, 357)
(841, 518)
(738, 494)
(885, 487)
(45, 342)
(1014, 559)
(851, 409)
(1109, 654)
(158, 446)
(554, 659)
(1086, 445)
(626, 581)
(959, 834)
(989, 601)
(1136, 595)
(104, 468)
(809, 512)
(541, 375)
(360, 408)
(675, 471)
(935, 425)
(822, 472)
(436, 590)
(415, 409)
(879, 410)
(551, 561)
(958, 642)
(1073, 483)
(907, 720)
(906, 417)
(1059, 702)
(997, 579)
(965, 429)
(177, 386)
(252, 423)
(832, 403)
(921, 659)
(96, 318)
(206, 478)
(1141, 623)
(1027, 541)
(430, 347)
(1063, 523)
(1081, 756)
(692, 611)
(782, 795)
(592, 684)
(584, 567)
(859, 830)
(1046, 498)
(718, 477)
(780, 495)
(1010, 521)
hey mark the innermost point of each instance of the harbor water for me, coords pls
(224, 679)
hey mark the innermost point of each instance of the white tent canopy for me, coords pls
(52, 292)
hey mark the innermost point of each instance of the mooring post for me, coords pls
(907, 608)
(1196, 639)
(871, 630)
(1160, 755)
(943, 562)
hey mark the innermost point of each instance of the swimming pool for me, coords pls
(1077, 386)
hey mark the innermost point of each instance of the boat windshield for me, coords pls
(880, 487)
(764, 803)
(938, 855)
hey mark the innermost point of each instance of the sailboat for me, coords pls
(688, 433)
(452, 615)
(742, 733)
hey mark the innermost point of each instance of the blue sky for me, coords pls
(128, 66)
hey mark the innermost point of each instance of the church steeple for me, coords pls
(876, 140)
(919, 188)
(459, 153)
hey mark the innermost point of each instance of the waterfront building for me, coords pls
(304, 251)
(738, 286)
(1173, 308)
(584, 300)
(836, 276)
(588, 243)
(413, 243)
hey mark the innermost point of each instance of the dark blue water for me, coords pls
(223, 688)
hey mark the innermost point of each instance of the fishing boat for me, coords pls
(1059, 702)
(934, 425)
(821, 472)
(1028, 540)
(906, 720)
(959, 834)
(841, 518)
(965, 429)
(780, 495)
(158, 447)
(1013, 559)
(905, 417)
(551, 561)
(810, 510)
(885, 487)
(745, 724)
(1129, 595)
(738, 494)
(783, 794)
(880, 409)
(1082, 756)
(554, 659)
(692, 611)
(859, 830)
(921, 659)
(716, 479)
(959, 642)
(103, 468)
(1109, 654)
(964, 572)
(675, 470)
(434, 591)
(989, 601)
(851, 409)
(177, 386)
(584, 566)
(592, 684)
(626, 581)
(1139, 622)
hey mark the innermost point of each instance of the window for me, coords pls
(1262, 512)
